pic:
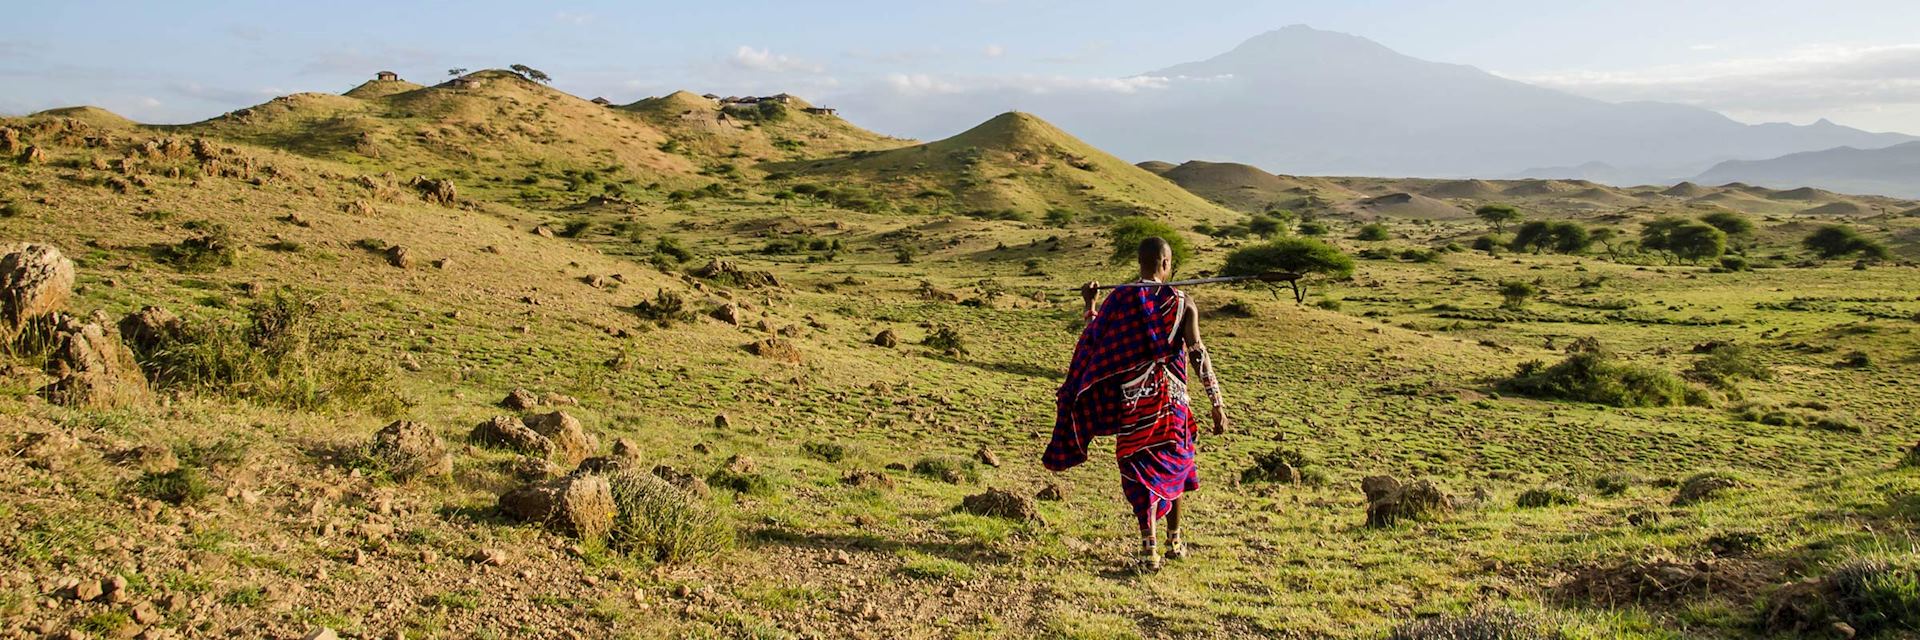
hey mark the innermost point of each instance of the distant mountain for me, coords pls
(1888, 171)
(1303, 101)
(1014, 163)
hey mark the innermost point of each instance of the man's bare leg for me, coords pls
(1149, 544)
(1176, 548)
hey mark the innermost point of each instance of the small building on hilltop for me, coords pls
(819, 111)
(387, 76)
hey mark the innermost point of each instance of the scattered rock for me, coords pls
(410, 450)
(436, 191)
(1002, 504)
(489, 557)
(531, 469)
(626, 448)
(1053, 492)
(776, 349)
(987, 457)
(864, 479)
(577, 505)
(51, 450)
(595, 281)
(398, 256)
(1390, 502)
(35, 280)
(88, 590)
(511, 433)
(737, 463)
(145, 613)
(692, 484)
(1702, 487)
(887, 338)
(443, 264)
(604, 464)
(721, 421)
(543, 231)
(728, 313)
(520, 400)
(569, 437)
(555, 399)
(322, 633)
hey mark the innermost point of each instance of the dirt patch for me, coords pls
(1664, 582)
(1002, 504)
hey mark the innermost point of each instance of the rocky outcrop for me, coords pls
(510, 433)
(35, 280)
(579, 505)
(409, 450)
(1390, 501)
(570, 439)
(91, 366)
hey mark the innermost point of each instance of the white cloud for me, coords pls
(150, 102)
(994, 51)
(763, 60)
(570, 17)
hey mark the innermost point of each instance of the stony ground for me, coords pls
(1392, 373)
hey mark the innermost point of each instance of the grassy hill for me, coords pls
(1014, 165)
(326, 299)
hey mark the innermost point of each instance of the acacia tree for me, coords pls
(1696, 241)
(1127, 233)
(1557, 236)
(531, 73)
(457, 72)
(1498, 214)
(1606, 237)
(1738, 228)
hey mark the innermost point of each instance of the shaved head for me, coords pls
(1154, 251)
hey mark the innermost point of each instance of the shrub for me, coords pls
(1373, 232)
(213, 248)
(832, 452)
(1284, 466)
(903, 255)
(1265, 226)
(1488, 243)
(1514, 293)
(1727, 363)
(1597, 376)
(1837, 241)
(1329, 304)
(946, 340)
(663, 523)
(1060, 217)
(671, 248)
(1546, 497)
(665, 309)
(742, 482)
(1731, 263)
(286, 353)
(1313, 228)
(1296, 255)
(1614, 484)
(183, 485)
(949, 469)
(1127, 234)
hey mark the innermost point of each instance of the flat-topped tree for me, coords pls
(1498, 215)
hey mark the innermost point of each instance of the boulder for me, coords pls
(91, 366)
(887, 338)
(520, 400)
(35, 280)
(436, 191)
(687, 482)
(511, 433)
(579, 505)
(728, 313)
(1053, 492)
(408, 450)
(987, 457)
(1389, 501)
(1002, 504)
(570, 440)
(398, 256)
(625, 448)
(776, 349)
(863, 479)
(530, 469)
(605, 465)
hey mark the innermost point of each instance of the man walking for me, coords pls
(1128, 379)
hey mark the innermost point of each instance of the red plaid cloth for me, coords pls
(1128, 379)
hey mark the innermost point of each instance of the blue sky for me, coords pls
(1856, 62)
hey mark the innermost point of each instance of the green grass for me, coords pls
(928, 567)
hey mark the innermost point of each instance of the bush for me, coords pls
(1514, 293)
(1373, 232)
(1313, 228)
(663, 523)
(1127, 234)
(1731, 263)
(1727, 363)
(1546, 497)
(831, 452)
(1557, 236)
(1284, 466)
(1837, 241)
(946, 340)
(949, 469)
(1060, 217)
(1597, 376)
(665, 309)
(183, 485)
(213, 248)
(286, 354)
(1296, 255)
(1614, 484)
(742, 482)
(671, 248)
(1488, 243)
(1265, 226)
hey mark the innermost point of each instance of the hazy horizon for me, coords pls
(1755, 62)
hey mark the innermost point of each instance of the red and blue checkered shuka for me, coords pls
(1128, 380)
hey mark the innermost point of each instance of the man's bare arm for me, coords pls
(1202, 365)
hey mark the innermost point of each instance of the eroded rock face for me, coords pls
(91, 365)
(579, 505)
(410, 450)
(149, 328)
(436, 191)
(35, 280)
(571, 442)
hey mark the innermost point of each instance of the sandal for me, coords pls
(1176, 548)
(1149, 559)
